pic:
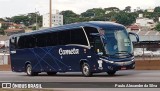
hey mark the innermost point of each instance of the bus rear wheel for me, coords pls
(29, 70)
(86, 70)
(51, 73)
(111, 73)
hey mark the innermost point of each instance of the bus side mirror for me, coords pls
(131, 35)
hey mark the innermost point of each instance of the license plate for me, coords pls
(123, 68)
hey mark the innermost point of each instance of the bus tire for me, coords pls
(111, 73)
(51, 73)
(86, 70)
(29, 70)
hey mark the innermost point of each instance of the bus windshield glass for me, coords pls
(117, 42)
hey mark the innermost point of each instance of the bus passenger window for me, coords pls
(78, 37)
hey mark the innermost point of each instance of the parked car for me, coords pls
(148, 53)
(156, 53)
(138, 53)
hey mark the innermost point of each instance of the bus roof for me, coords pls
(95, 24)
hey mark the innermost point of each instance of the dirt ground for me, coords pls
(5, 68)
(148, 65)
(140, 65)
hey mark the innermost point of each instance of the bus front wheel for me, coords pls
(86, 70)
(29, 70)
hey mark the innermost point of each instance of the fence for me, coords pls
(4, 59)
(147, 50)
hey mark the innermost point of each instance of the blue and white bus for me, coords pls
(87, 47)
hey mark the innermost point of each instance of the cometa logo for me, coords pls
(68, 52)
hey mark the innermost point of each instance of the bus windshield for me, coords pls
(117, 42)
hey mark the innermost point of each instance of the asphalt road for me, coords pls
(121, 76)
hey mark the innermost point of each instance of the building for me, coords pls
(133, 27)
(150, 10)
(11, 25)
(3, 41)
(5, 24)
(57, 20)
(145, 22)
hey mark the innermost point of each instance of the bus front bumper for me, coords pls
(115, 66)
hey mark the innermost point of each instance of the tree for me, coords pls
(28, 19)
(112, 9)
(32, 19)
(93, 12)
(69, 13)
(2, 31)
(69, 16)
(156, 14)
(157, 9)
(110, 16)
(2, 20)
(125, 18)
(157, 27)
(3, 27)
(127, 9)
(20, 19)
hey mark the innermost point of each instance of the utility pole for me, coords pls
(50, 14)
(36, 19)
(36, 13)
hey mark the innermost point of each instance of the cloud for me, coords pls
(15, 7)
(4, 0)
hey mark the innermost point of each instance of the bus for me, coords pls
(87, 47)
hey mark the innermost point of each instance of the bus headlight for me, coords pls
(107, 61)
(111, 62)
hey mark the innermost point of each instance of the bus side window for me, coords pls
(21, 42)
(13, 43)
(88, 31)
(95, 41)
(78, 37)
(64, 37)
(52, 39)
(41, 40)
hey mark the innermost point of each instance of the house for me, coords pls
(16, 26)
(3, 41)
(133, 27)
(4, 24)
(145, 22)
(9, 32)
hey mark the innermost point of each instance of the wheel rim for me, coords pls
(29, 70)
(85, 70)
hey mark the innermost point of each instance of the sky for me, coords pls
(9, 8)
